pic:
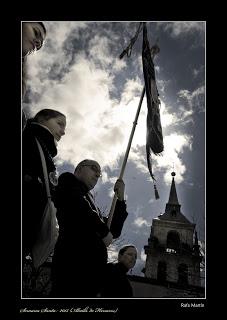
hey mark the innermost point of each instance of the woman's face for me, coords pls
(128, 258)
(56, 126)
(33, 36)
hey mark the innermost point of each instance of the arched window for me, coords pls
(173, 242)
(183, 275)
(161, 272)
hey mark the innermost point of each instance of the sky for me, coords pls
(78, 72)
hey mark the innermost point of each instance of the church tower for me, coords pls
(173, 251)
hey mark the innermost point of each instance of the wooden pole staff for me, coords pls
(126, 157)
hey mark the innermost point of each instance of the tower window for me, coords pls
(173, 242)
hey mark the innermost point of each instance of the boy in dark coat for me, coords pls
(117, 284)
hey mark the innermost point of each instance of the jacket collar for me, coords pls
(44, 136)
(121, 267)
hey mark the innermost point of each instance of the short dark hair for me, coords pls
(84, 163)
(46, 114)
(125, 248)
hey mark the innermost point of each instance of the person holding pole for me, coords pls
(80, 255)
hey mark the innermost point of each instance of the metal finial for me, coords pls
(173, 173)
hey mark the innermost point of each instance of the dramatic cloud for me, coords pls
(139, 222)
(178, 28)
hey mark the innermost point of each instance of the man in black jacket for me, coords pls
(80, 256)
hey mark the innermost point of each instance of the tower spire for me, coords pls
(173, 193)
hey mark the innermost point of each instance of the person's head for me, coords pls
(127, 256)
(33, 36)
(54, 120)
(88, 171)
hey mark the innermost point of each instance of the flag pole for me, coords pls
(126, 157)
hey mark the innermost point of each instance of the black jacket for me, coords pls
(116, 284)
(80, 255)
(34, 196)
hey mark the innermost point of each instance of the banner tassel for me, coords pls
(156, 192)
